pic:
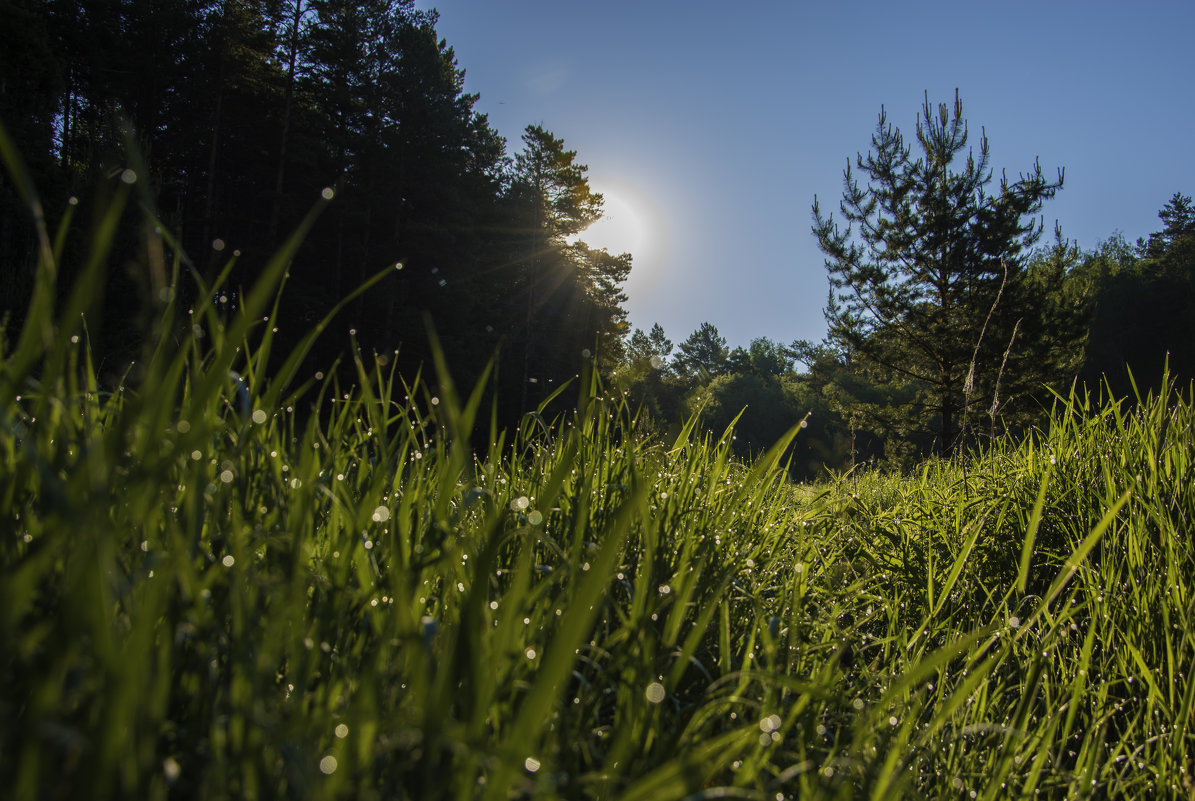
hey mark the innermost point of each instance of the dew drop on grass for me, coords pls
(655, 692)
(228, 561)
(259, 416)
(342, 731)
(327, 765)
(381, 514)
(520, 503)
(531, 764)
(128, 176)
(327, 194)
(530, 653)
(535, 517)
(171, 769)
(226, 476)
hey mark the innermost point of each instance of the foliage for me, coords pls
(928, 287)
(760, 408)
(567, 296)
(1143, 306)
(242, 112)
(702, 355)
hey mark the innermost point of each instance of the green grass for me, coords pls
(207, 593)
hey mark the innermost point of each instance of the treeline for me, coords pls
(243, 112)
(948, 322)
(1110, 320)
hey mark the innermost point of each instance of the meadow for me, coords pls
(209, 589)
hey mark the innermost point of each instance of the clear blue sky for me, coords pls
(711, 125)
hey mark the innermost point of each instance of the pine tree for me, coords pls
(703, 355)
(553, 201)
(927, 275)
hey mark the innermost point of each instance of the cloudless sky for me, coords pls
(710, 126)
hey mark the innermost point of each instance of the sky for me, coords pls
(710, 126)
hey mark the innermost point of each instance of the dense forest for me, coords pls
(949, 319)
(244, 112)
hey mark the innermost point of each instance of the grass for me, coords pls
(206, 592)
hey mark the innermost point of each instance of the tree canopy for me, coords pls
(244, 112)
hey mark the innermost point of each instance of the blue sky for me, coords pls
(711, 126)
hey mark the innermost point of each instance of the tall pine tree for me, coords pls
(927, 276)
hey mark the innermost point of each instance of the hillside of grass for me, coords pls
(221, 583)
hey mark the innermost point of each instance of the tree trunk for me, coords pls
(286, 112)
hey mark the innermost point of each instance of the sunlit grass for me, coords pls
(208, 590)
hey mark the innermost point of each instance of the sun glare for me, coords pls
(622, 228)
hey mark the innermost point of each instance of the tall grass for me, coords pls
(208, 592)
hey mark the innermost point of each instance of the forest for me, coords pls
(331, 467)
(242, 113)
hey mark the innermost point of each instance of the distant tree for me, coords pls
(769, 358)
(1178, 217)
(703, 355)
(647, 379)
(739, 361)
(916, 272)
(651, 349)
(763, 358)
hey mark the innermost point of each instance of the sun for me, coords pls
(622, 228)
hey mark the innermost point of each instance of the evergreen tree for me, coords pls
(552, 200)
(702, 356)
(927, 276)
(652, 348)
(602, 275)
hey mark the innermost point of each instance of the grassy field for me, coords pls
(206, 592)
